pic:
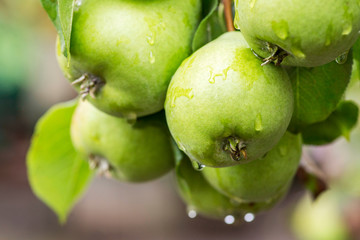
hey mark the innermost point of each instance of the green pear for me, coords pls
(303, 33)
(223, 108)
(262, 179)
(204, 199)
(124, 52)
(320, 219)
(128, 152)
(317, 91)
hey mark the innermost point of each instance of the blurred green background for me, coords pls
(30, 82)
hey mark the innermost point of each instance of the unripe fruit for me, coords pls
(321, 219)
(132, 152)
(262, 179)
(205, 200)
(223, 108)
(124, 52)
(302, 32)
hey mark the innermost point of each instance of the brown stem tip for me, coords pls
(236, 148)
(228, 15)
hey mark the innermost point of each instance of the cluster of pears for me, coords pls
(229, 106)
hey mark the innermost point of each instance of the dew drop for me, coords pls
(131, 118)
(252, 4)
(283, 150)
(347, 28)
(151, 57)
(296, 48)
(258, 123)
(297, 52)
(151, 39)
(162, 26)
(229, 219)
(192, 213)
(249, 217)
(197, 166)
(329, 31)
(257, 55)
(225, 72)
(77, 5)
(328, 41)
(211, 75)
(180, 145)
(281, 29)
(218, 75)
(342, 58)
(180, 92)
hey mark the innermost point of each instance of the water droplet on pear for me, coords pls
(342, 58)
(258, 123)
(197, 166)
(77, 5)
(192, 213)
(249, 217)
(151, 58)
(229, 219)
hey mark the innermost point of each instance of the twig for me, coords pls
(228, 15)
(313, 183)
(311, 175)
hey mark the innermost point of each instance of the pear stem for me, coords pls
(228, 15)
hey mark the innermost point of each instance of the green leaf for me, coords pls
(317, 92)
(339, 123)
(50, 7)
(61, 14)
(212, 25)
(57, 174)
(66, 13)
